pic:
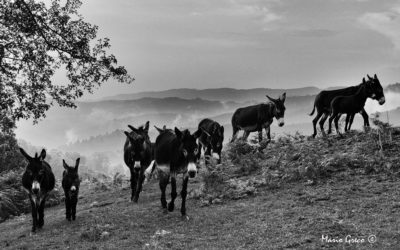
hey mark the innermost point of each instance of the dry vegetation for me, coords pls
(283, 194)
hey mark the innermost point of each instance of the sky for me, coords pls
(248, 43)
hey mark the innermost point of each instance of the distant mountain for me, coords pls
(393, 87)
(219, 94)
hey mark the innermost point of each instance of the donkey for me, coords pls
(350, 105)
(323, 101)
(256, 117)
(70, 183)
(377, 95)
(138, 154)
(176, 152)
(211, 139)
(38, 179)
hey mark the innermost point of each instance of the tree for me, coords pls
(36, 40)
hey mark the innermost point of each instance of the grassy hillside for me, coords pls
(286, 194)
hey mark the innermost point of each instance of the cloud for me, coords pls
(314, 33)
(71, 136)
(259, 11)
(387, 23)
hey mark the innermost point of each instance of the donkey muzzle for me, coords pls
(35, 187)
(281, 122)
(137, 165)
(192, 169)
(382, 101)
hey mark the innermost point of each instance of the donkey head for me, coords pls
(140, 142)
(189, 149)
(35, 171)
(279, 110)
(70, 177)
(377, 89)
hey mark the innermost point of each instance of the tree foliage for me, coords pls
(36, 40)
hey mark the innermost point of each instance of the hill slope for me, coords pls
(287, 196)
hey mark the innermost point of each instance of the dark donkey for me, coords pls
(323, 101)
(350, 105)
(211, 139)
(176, 152)
(256, 117)
(38, 180)
(138, 154)
(70, 183)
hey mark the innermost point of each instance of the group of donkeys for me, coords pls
(178, 151)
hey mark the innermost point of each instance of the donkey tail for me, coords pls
(312, 112)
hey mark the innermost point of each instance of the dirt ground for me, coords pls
(295, 216)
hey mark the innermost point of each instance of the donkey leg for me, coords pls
(34, 215)
(365, 117)
(260, 136)
(321, 123)
(337, 118)
(268, 131)
(207, 154)
(164, 178)
(134, 178)
(347, 125)
(41, 213)
(351, 120)
(140, 181)
(315, 120)
(330, 123)
(245, 135)
(184, 194)
(67, 207)
(337, 126)
(171, 204)
(74, 202)
(234, 133)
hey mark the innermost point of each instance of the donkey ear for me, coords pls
(198, 133)
(363, 80)
(221, 130)
(65, 165)
(77, 163)
(370, 78)
(283, 97)
(127, 135)
(178, 132)
(164, 127)
(375, 77)
(43, 154)
(158, 129)
(146, 126)
(133, 128)
(270, 98)
(25, 154)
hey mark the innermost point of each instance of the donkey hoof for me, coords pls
(185, 218)
(165, 211)
(171, 207)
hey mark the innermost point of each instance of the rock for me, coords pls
(104, 234)
(94, 204)
(217, 201)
